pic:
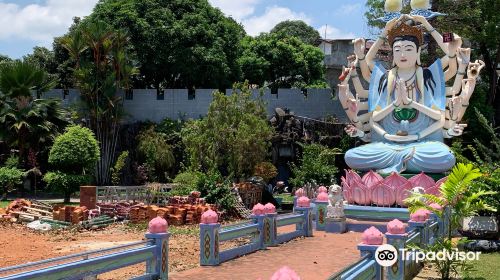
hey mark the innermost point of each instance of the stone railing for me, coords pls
(153, 251)
(262, 228)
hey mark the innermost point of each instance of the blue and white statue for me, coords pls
(408, 109)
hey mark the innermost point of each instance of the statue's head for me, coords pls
(405, 41)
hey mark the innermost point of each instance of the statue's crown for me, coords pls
(404, 29)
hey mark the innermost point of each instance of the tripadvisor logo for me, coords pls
(387, 255)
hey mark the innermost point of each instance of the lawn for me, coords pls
(4, 203)
(486, 268)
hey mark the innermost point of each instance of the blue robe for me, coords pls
(429, 154)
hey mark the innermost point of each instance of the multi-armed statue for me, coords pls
(408, 109)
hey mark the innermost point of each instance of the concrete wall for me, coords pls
(176, 103)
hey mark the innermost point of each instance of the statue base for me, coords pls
(335, 225)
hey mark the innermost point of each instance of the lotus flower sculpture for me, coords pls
(392, 190)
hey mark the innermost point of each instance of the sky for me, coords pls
(25, 24)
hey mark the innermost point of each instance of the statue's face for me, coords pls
(405, 54)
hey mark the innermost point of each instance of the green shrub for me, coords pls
(156, 153)
(217, 190)
(12, 161)
(317, 164)
(65, 183)
(187, 182)
(73, 157)
(117, 169)
(76, 151)
(232, 138)
(9, 178)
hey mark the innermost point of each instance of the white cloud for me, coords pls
(272, 16)
(348, 9)
(238, 9)
(334, 33)
(41, 22)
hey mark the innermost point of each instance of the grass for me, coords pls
(287, 198)
(4, 203)
(193, 230)
(485, 269)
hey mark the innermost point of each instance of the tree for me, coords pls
(299, 29)
(73, 158)
(281, 62)
(477, 21)
(156, 153)
(44, 59)
(27, 122)
(232, 138)
(4, 58)
(179, 44)
(317, 164)
(102, 69)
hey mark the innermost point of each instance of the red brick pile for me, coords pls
(70, 214)
(179, 214)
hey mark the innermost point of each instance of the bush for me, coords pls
(232, 138)
(317, 164)
(73, 157)
(156, 153)
(9, 178)
(217, 190)
(187, 182)
(117, 169)
(265, 170)
(76, 151)
(64, 182)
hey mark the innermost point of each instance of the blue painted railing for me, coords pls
(154, 252)
(262, 230)
(419, 233)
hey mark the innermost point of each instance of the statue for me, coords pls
(336, 203)
(409, 110)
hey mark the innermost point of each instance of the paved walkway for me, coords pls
(313, 258)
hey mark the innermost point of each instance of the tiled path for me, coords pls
(313, 258)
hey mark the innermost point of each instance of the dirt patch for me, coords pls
(23, 245)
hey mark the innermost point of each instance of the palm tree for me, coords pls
(27, 122)
(101, 71)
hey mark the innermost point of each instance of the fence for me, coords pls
(263, 230)
(421, 233)
(154, 252)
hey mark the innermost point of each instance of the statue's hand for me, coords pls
(400, 91)
(463, 55)
(466, 87)
(352, 131)
(457, 129)
(352, 61)
(422, 20)
(454, 45)
(359, 47)
(390, 24)
(352, 104)
(474, 69)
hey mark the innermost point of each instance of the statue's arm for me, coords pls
(433, 114)
(361, 92)
(359, 50)
(372, 52)
(434, 33)
(391, 137)
(454, 51)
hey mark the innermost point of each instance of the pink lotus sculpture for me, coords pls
(269, 208)
(372, 236)
(322, 197)
(157, 225)
(394, 189)
(258, 209)
(322, 189)
(419, 216)
(209, 217)
(396, 227)
(285, 273)
(303, 201)
(300, 192)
